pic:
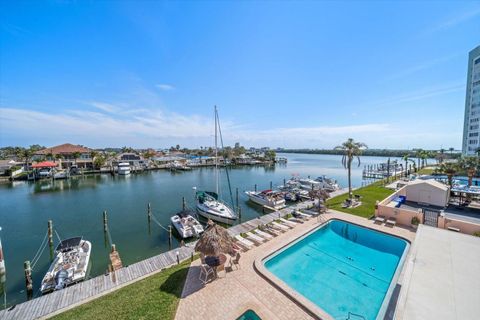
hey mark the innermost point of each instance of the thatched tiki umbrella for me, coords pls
(214, 240)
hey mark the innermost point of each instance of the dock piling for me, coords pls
(236, 192)
(184, 204)
(178, 257)
(255, 188)
(50, 238)
(28, 279)
(105, 221)
(271, 185)
(149, 212)
(170, 237)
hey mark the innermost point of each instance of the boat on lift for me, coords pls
(124, 168)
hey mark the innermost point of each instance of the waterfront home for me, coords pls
(67, 155)
(6, 165)
(244, 159)
(132, 158)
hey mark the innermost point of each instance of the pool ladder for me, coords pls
(356, 315)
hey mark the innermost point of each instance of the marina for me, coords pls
(76, 206)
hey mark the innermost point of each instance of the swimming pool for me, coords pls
(341, 268)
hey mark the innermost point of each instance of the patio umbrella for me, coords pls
(214, 240)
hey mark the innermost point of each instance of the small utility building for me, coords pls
(428, 192)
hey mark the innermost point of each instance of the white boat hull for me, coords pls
(207, 213)
(275, 204)
(188, 231)
(75, 276)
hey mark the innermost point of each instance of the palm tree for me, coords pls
(93, 154)
(424, 156)
(25, 155)
(351, 150)
(469, 164)
(418, 155)
(58, 156)
(449, 168)
(75, 156)
(406, 158)
(441, 156)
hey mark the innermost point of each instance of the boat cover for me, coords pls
(204, 195)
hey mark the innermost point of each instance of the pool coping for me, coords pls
(304, 303)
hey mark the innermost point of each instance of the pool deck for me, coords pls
(239, 290)
(442, 279)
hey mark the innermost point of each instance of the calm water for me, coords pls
(341, 268)
(76, 206)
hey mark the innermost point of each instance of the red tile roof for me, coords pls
(65, 148)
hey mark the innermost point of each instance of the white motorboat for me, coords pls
(124, 168)
(44, 173)
(208, 206)
(308, 184)
(61, 174)
(69, 266)
(328, 184)
(208, 203)
(268, 198)
(186, 225)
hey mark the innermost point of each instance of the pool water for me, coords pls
(249, 315)
(341, 268)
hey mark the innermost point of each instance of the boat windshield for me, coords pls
(68, 244)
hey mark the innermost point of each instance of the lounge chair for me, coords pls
(264, 235)
(205, 272)
(244, 242)
(272, 231)
(289, 223)
(391, 221)
(279, 226)
(380, 219)
(255, 238)
(303, 215)
(310, 212)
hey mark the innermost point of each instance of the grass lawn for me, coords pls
(370, 194)
(155, 297)
(428, 170)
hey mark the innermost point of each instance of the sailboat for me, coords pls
(208, 203)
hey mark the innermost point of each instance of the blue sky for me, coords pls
(283, 74)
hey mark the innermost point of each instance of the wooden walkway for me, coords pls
(57, 301)
(267, 218)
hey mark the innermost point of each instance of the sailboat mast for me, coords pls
(216, 153)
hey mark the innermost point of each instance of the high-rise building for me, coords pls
(471, 124)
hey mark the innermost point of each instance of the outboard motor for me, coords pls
(61, 279)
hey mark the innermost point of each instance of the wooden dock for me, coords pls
(59, 301)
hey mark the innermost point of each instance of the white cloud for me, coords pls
(105, 106)
(158, 128)
(165, 87)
